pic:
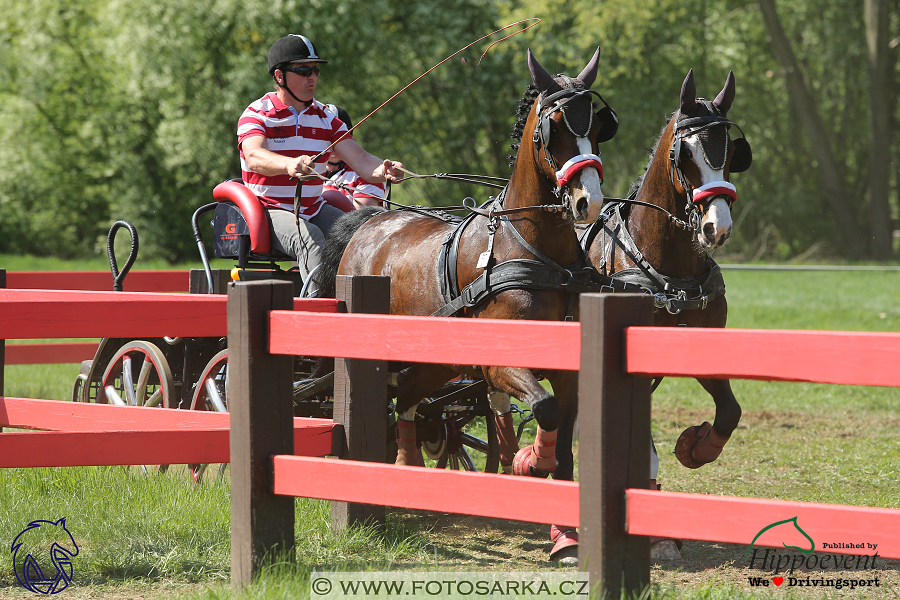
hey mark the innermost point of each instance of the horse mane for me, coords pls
(522, 111)
(338, 238)
(524, 108)
(636, 184)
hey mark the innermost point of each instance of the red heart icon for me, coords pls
(778, 580)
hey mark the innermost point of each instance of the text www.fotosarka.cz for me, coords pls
(387, 584)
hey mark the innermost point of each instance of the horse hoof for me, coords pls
(686, 443)
(664, 550)
(565, 548)
(522, 465)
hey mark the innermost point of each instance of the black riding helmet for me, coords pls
(292, 48)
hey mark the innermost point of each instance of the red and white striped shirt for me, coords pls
(357, 187)
(292, 134)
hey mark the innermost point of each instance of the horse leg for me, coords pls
(702, 444)
(413, 384)
(565, 386)
(506, 431)
(538, 459)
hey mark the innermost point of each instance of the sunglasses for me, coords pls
(304, 71)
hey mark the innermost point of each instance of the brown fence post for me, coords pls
(199, 285)
(614, 443)
(360, 396)
(261, 406)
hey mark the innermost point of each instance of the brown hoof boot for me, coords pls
(509, 445)
(699, 445)
(565, 546)
(538, 459)
(407, 452)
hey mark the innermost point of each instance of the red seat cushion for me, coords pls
(254, 213)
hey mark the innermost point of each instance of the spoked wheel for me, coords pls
(138, 375)
(210, 394)
(450, 429)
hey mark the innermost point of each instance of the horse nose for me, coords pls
(713, 237)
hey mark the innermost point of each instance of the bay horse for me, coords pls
(516, 257)
(657, 241)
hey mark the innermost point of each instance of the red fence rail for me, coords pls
(81, 434)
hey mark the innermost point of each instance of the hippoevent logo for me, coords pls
(42, 556)
(806, 558)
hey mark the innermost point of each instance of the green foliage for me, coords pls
(112, 109)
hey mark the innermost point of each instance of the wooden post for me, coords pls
(199, 285)
(360, 396)
(614, 443)
(261, 407)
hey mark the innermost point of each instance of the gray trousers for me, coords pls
(307, 241)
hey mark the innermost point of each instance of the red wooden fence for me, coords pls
(626, 356)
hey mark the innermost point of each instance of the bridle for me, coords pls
(560, 101)
(695, 197)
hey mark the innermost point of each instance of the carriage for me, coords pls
(191, 372)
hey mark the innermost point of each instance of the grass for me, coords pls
(159, 536)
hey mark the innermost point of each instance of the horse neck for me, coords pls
(669, 249)
(550, 232)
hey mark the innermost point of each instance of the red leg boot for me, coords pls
(407, 452)
(565, 545)
(509, 445)
(538, 459)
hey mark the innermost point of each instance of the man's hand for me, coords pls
(390, 170)
(302, 165)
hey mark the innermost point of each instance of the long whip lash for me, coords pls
(328, 149)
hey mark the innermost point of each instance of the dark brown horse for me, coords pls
(658, 241)
(527, 233)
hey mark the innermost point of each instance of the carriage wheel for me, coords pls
(451, 443)
(210, 394)
(138, 375)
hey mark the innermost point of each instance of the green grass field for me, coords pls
(160, 536)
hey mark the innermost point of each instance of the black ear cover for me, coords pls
(742, 157)
(609, 124)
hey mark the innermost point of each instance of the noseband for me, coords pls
(714, 156)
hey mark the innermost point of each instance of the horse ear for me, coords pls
(589, 73)
(688, 93)
(539, 75)
(725, 98)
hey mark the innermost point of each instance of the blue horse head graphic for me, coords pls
(34, 543)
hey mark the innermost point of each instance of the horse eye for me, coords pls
(688, 153)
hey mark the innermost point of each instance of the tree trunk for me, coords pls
(804, 107)
(877, 18)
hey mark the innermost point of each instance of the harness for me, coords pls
(541, 273)
(672, 293)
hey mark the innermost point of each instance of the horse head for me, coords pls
(702, 156)
(565, 129)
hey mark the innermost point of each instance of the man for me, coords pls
(280, 134)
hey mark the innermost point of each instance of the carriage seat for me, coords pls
(242, 231)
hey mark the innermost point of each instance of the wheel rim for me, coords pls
(210, 394)
(138, 375)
